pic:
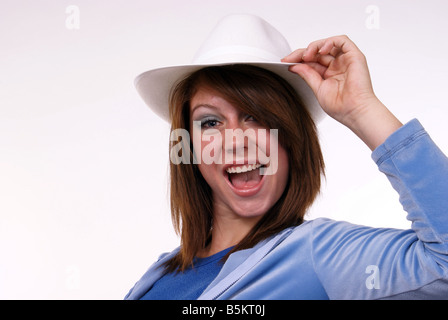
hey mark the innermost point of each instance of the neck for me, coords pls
(228, 230)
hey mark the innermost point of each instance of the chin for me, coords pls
(250, 207)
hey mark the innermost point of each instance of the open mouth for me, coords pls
(244, 177)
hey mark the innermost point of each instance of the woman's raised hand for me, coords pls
(337, 72)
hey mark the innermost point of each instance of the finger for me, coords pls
(312, 74)
(312, 50)
(335, 52)
(318, 67)
(337, 45)
(329, 49)
(295, 56)
(323, 59)
(334, 46)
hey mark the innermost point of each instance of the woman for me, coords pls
(243, 233)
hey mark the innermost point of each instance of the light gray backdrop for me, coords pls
(83, 162)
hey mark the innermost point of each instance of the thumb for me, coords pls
(311, 73)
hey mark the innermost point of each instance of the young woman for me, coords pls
(243, 232)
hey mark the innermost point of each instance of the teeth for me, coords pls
(244, 168)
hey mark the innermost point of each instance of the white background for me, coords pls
(83, 162)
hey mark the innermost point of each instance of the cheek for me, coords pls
(211, 176)
(208, 148)
(206, 172)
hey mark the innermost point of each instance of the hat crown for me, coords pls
(242, 38)
(237, 39)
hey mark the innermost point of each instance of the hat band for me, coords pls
(238, 54)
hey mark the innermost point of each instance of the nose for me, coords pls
(239, 140)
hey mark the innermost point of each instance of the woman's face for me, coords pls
(233, 167)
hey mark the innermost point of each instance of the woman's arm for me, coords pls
(337, 72)
(355, 262)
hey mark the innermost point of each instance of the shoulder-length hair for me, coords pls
(276, 105)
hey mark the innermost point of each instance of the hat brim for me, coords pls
(154, 86)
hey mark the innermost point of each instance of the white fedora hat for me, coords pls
(236, 39)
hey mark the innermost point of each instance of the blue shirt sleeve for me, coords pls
(356, 262)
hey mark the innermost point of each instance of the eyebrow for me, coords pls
(204, 105)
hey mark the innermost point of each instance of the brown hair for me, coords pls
(275, 104)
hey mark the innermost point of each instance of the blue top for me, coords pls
(191, 283)
(327, 259)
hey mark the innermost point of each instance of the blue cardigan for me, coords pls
(326, 259)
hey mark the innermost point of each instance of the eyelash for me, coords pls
(205, 123)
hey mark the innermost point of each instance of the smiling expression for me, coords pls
(238, 188)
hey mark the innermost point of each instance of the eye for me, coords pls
(250, 118)
(209, 123)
